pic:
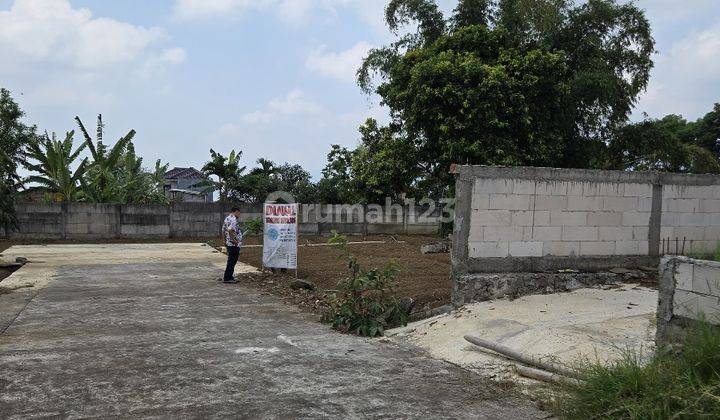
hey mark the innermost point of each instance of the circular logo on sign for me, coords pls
(273, 234)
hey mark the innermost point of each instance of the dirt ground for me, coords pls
(425, 278)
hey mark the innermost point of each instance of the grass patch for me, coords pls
(712, 256)
(684, 384)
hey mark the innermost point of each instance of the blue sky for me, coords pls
(273, 78)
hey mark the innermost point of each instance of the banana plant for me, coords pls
(52, 160)
(100, 184)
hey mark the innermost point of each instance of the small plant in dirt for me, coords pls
(365, 303)
(253, 226)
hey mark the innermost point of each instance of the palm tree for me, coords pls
(226, 169)
(52, 159)
(267, 168)
(100, 183)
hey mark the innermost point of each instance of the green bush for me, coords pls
(254, 226)
(365, 303)
(682, 385)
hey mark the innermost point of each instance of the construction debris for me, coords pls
(517, 356)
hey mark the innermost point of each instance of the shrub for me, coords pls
(365, 303)
(679, 385)
(254, 226)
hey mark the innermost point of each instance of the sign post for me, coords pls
(280, 235)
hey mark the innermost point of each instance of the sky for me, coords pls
(272, 78)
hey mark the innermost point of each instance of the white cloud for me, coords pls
(194, 9)
(52, 31)
(59, 95)
(699, 52)
(295, 11)
(686, 77)
(294, 103)
(166, 58)
(341, 65)
(668, 11)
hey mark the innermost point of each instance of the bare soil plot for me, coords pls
(425, 278)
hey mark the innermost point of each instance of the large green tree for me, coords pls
(269, 177)
(383, 166)
(14, 136)
(668, 144)
(509, 82)
(706, 131)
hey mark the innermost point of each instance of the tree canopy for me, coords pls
(14, 136)
(51, 160)
(110, 174)
(259, 182)
(508, 82)
(668, 144)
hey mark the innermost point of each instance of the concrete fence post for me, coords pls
(64, 218)
(364, 220)
(655, 223)
(171, 230)
(405, 216)
(118, 220)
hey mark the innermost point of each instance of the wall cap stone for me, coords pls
(584, 175)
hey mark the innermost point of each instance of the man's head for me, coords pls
(235, 211)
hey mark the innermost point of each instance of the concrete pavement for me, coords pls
(147, 331)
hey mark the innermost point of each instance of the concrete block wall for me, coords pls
(90, 220)
(528, 219)
(146, 220)
(40, 221)
(689, 290)
(197, 220)
(368, 219)
(535, 218)
(690, 214)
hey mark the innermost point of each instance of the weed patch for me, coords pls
(679, 384)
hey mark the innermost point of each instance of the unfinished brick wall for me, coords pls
(526, 219)
(690, 214)
(689, 290)
(530, 218)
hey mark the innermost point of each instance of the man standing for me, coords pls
(233, 240)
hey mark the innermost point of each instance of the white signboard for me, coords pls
(280, 236)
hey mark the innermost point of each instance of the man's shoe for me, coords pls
(233, 281)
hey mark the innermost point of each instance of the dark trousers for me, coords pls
(233, 252)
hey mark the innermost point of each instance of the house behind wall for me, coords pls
(528, 219)
(186, 185)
